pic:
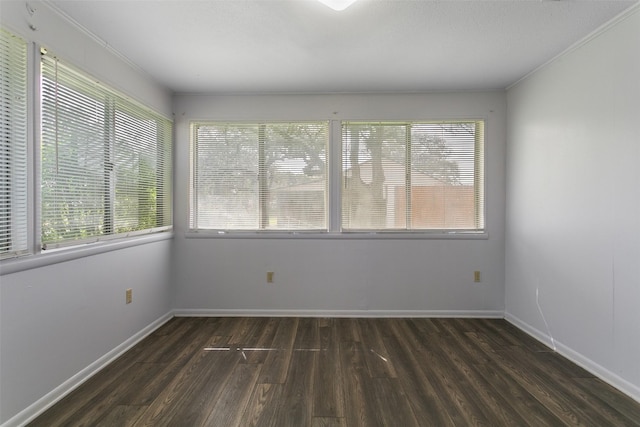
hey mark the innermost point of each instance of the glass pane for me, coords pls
(13, 145)
(442, 176)
(226, 181)
(438, 186)
(269, 176)
(136, 142)
(74, 184)
(296, 181)
(104, 159)
(374, 173)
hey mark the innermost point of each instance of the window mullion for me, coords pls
(195, 178)
(407, 185)
(335, 178)
(262, 179)
(33, 148)
(109, 181)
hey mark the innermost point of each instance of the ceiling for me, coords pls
(267, 46)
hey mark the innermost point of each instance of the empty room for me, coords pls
(319, 212)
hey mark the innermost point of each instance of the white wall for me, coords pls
(69, 42)
(60, 321)
(339, 276)
(573, 204)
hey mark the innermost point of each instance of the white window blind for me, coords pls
(13, 145)
(105, 161)
(413, 176)
(259, 176)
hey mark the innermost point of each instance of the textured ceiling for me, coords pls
(256, 46)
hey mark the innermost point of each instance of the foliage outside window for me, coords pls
(105, 161)
(259, 176)
(13, 145)
(395, 176)
(412, 176)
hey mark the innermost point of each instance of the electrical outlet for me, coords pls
(129, 296)
(476, 276)
(269, 276)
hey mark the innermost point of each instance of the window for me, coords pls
(105, 161)
(412, 176)
(395, 176)
(13, 145)
(259, 176)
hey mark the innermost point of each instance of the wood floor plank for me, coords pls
(392, 405)
(230, 406)
(201, 397)
(452, 387)
(523, 338)
(589, 405)
(516, 396)
(327, 422)
(328, 389)
(186, 379)
(496, 409)
(245, 329)
(376, 355)
(276, 364)
(260, 343)
(262, 406)
(144, 392)
(562, 366)
(471, 361)
(423, 394)
(307, 335)
(505, 334)
(426, 327)
(274, 372)
(569, 409)
(120, 416)
(612, 397)
(109, 398)
(348, 330)
(296, 404)
(361, 407)
(166, 346)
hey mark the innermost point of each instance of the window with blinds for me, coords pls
(412, 176)
(13, 145)
(259, 176)
(105, 161)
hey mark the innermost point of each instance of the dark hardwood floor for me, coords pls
(341, 372)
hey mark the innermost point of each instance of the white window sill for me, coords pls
(351, 235)
(54, 256)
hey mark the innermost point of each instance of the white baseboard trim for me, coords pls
(34, 410)
(337, 313)
(599, 371)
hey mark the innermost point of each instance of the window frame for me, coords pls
(35, 256)
(17, 47)
(262, 229)
(122, 103)
(409, 125)
(334, 196)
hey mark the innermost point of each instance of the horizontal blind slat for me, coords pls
(259, 176)
(13, 145)
(412, 175)
(105, 160)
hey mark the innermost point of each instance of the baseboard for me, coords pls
(337, 313)
(34, 410)
(599, 371)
